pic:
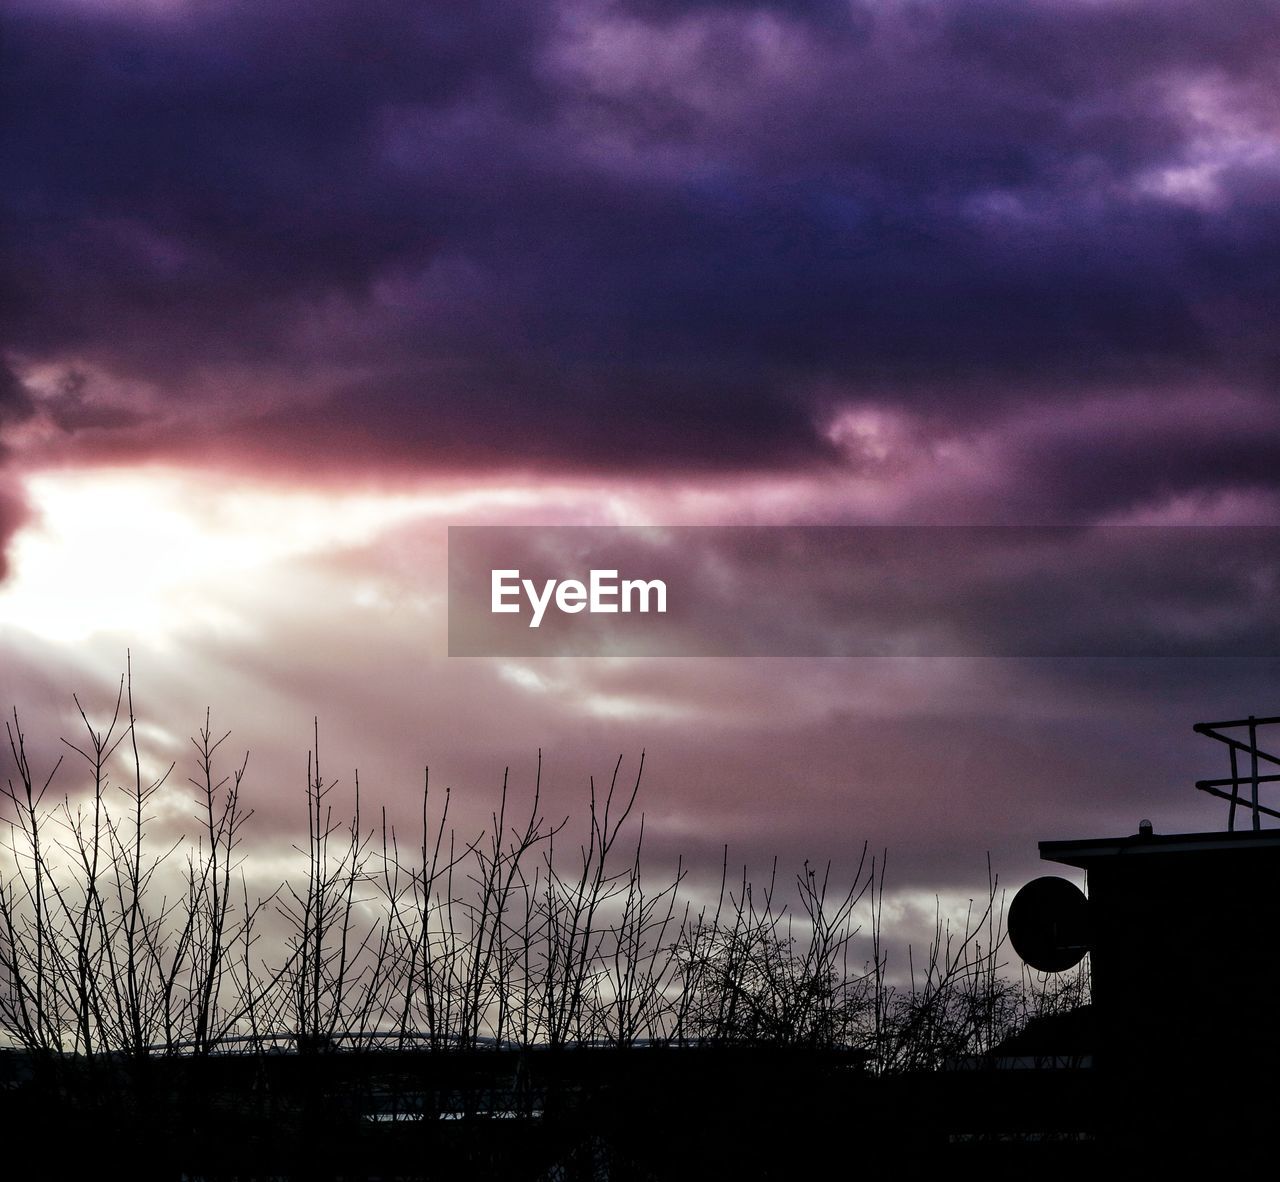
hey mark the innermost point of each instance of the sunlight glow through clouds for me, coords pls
(151, 550)
(167, 549)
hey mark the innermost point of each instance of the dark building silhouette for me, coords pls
(1185, 940)
(1183, 932)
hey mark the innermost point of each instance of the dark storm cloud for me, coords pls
(661, 419)
(1108, 457)
(1164, 457)
(185, 178)
(638, 234)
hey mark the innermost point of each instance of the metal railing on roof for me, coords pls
(1241, 746)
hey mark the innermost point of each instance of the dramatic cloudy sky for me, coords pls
(289, 289)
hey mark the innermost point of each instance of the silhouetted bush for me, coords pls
(518, 937)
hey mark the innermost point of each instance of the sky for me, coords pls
(288, 290)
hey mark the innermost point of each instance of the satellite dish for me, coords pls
(1049, 924)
